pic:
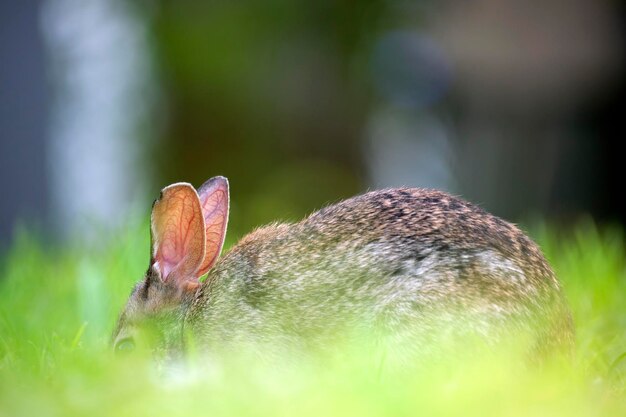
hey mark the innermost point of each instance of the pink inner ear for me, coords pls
(178, 234)
(172, 250)
(214, 202)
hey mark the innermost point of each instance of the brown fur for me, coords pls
(397, 264)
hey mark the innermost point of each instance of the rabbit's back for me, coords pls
(403, 262)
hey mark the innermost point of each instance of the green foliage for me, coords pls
(57, 308)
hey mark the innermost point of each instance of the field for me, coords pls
(58, 306)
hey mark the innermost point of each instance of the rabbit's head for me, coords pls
(187, 234)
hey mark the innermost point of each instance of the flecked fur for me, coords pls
(392, 266)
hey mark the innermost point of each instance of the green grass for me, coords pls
(57, 308)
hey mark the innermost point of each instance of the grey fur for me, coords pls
(393, 266)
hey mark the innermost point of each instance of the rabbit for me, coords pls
(394, 264)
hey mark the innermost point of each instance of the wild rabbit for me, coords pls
(396, 264)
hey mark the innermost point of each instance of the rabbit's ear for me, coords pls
(178, 241)
(214, 202)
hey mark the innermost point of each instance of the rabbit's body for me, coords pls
(386, 262)
(399, 265)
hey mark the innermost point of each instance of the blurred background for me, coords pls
(515, 105)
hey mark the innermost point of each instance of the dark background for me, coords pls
(518, 106)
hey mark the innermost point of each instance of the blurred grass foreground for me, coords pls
(58, 306)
